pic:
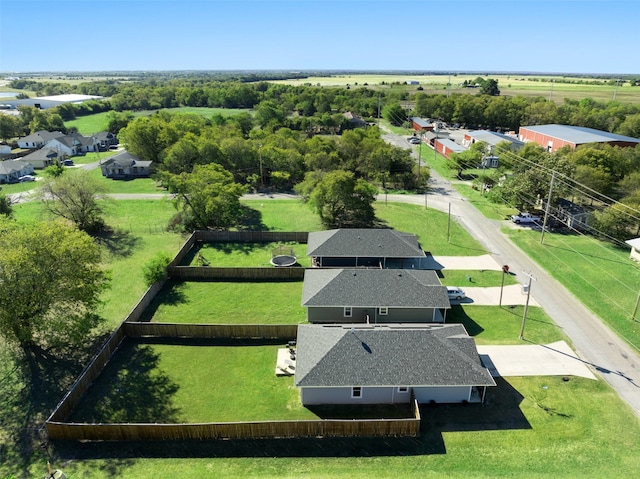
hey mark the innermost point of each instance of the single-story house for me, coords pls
(125, 166)
(38, 139)
(353, 247)
(635, 249)
(72, 145)
(42, 158)
(553, 137)
(572, 215)
(11, 170)
(374, 296)
(446, 147)
(105, 139)
(388, 364)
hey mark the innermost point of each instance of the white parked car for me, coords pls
(455, 293)
(24, 178)
(525, 218)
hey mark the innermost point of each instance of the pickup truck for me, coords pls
(525, 218)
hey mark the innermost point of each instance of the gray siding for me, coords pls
(450, 394)
(342, 395)
(396, 315)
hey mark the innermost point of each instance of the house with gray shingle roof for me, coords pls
(553, 137)
(42, 158)
(125, 166)
(360, 247)
(374, 296)
(38, 139)
(11, 170)
(387, 364)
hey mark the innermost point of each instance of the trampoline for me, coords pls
(283, 256)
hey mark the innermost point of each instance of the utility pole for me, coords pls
(419, 157)
(548, 206)
(526, 306)
(635, 310)
(551, 92)
(616, 90)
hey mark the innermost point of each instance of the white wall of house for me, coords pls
(359, 315)
(343, 395)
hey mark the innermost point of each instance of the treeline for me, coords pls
(269, 158)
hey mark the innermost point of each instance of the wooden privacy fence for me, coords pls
(232, 273)
(251, 236)
(236, 331)
(237, 430)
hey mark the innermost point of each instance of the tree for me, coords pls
(75, 196)
(470, 158)
(394, 114)
(5, 206)
(155, 269)
(9, 127)
(490, 87)
(208, 197)
(51, 280)
(117, 121)
(342, 201)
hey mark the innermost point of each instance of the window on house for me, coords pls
(356, 392)
(348, 312)
(403, 389)
(383, 311)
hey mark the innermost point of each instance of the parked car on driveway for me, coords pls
(455, 293)
(68, 163)
(525, 218)
(25, 178)
(414, 140)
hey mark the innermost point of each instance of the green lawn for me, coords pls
(183, 383)
(228, 303)
(138, 185)
(479, 278)
(248, 254)
(282, 215)
(600, 275)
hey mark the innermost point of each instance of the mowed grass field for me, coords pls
(510, 85)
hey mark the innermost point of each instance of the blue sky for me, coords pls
(578, 36)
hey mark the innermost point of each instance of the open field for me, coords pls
(555, 87)
(90, 124)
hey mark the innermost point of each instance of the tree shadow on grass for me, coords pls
(171, 294)
(501, 411)
(251, 220)
(118, 243)
(457, 314)
(130, 389)
(32, 384)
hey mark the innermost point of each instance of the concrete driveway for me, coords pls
(511, 295)
(555, 359)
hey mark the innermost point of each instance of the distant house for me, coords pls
(635, 249)
(354, 120)
(71, 145)
(374, 296)
(572, 215)
(360, 247)
(11, 170)
(553, 137)
(105, 139)
(387, 364)
(447, 147)
(125, 166)
(38, 139)
(42, 158)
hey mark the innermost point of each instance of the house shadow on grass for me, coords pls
(501, 411)
(457, 314)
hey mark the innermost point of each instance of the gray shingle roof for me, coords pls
(42, 136)
(578, 134)
(124, 160)
(389, 355)
(393, 288)
(8, 167)
(41, 154)
(452, 145)
(360, 242)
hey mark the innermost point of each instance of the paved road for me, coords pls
(613, 359)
